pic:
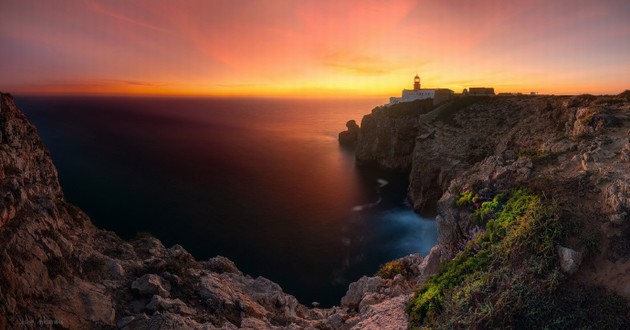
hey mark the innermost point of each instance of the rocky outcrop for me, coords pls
(60, 271)
(387, 137)
(495, 139)
(46, 247)
(573, 150)
(351, 135)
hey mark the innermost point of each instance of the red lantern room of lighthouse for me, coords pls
(416, 83)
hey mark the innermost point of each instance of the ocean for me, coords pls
(261, 181)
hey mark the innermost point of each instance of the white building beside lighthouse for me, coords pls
(438, 95)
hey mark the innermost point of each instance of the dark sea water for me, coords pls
(260, 181)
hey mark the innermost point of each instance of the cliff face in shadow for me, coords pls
(387, 136)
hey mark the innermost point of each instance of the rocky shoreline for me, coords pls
(574, 151)
(59, 271)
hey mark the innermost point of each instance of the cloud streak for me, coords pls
(94, 6)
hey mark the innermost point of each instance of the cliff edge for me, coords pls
(61, 272)
(471, 158)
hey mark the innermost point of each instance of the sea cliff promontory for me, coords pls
(59, 271)
(532, 196)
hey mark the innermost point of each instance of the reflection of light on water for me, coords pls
(359, 208)
(413, 232)
(381, 183)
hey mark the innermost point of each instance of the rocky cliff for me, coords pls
(387, 136)
(572, 151)
(505, 142)
(61, 272)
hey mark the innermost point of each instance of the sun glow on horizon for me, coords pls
(312, 48)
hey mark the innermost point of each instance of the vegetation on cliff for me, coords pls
(508, 274)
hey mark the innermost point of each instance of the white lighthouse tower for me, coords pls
(408, 95)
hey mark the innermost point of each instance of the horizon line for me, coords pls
(257, 95)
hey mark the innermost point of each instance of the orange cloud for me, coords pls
(303, 47)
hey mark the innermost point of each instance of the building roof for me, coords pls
(481, 90)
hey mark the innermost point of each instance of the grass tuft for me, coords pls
(393, 268)
(508, 275)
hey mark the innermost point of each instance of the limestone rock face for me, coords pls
(499, 142)
(386, 315)
(573, 150)
(47, 245)
(491, 139)
(59, 271)
(357, 290)
(388, 135)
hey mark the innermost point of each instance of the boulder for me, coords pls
(570, 260)
(387, 315)
(358, 289)
(220, 264)
(270, 295)
(334, 321)
(151, 284)
(177, 252)
(114, 268)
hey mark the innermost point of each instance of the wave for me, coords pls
(359, 208)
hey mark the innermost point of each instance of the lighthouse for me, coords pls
(438, 95)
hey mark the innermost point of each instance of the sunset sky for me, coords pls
(312, 47)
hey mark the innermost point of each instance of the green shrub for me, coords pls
(393, 268)
(465, 198)
(517, 227)
(488, 209)
(509, 276)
